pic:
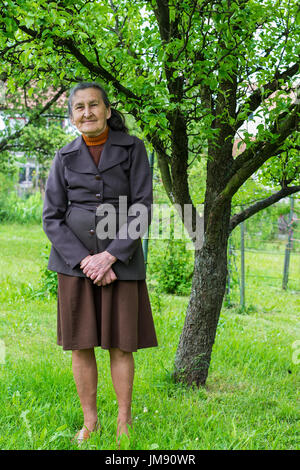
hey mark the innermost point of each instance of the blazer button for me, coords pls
(98, 177)
(92, 232)
(91, 252)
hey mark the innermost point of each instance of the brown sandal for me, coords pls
(84, 434)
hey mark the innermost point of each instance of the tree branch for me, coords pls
(5, 142)
(97, 69)
(255, 100)
(260, 205)
(250, 160)
(162, 15)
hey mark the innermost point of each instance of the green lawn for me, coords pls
(249, 402)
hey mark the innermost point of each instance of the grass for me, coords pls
(249, 401)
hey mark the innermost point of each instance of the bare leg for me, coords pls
(86, 376)
(122, 374)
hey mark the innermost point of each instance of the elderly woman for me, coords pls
(102, 297)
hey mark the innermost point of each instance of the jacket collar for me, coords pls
(77, 157)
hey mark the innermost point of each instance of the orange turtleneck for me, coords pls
(96, 144)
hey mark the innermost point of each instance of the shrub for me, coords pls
(22, 210)
(171, 266)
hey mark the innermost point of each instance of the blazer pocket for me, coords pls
(82, 224)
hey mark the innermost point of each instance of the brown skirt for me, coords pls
(117, 315)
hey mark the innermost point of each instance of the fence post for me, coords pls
(228, 272)
(242, 288)
(288, 247)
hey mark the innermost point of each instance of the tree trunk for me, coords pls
(208, 288)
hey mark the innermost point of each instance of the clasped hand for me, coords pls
(98, 268)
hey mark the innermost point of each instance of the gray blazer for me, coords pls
(76, 187)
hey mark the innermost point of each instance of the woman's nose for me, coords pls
(87, 111)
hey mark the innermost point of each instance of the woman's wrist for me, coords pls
(111, 257)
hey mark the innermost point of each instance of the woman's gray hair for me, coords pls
(116, 121)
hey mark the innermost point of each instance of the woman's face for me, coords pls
(89, 113)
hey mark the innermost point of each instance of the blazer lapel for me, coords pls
(78, 158)
(114, 150)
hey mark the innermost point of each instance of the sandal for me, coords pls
(84, 434)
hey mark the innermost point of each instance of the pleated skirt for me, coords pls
(117, 315)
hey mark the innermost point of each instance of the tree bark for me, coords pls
(208, 288)
(193, 354)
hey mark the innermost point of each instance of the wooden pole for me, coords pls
(288, 247)
(228, 272)
(242, 288)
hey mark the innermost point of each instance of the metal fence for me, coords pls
(286, 245)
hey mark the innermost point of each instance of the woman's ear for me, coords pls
(108, 112)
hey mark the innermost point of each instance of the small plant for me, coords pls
(48, 285)
(176, 269)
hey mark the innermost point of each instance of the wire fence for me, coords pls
(282, 238)
(276, 259)
(265, 247)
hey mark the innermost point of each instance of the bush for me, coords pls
(7, 187)
(171, 265)
(16, 209)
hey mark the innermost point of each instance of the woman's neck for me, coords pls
(98, 139)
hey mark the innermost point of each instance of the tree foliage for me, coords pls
(185, 70)
(193, 73)
(31, 121)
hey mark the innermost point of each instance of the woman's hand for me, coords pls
(96, 266)
(108, 278)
